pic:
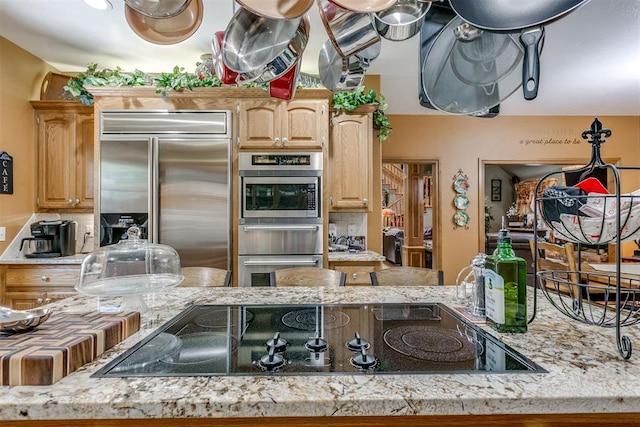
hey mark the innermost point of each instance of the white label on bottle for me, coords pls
(495, 357)
(494, 296)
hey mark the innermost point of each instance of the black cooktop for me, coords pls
(214, 340)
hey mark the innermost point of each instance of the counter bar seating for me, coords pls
(407, 276)
(307, 276)
(205, 276)
(557, 258)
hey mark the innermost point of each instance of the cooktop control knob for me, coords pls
(362, 360)
(278, 344)
(358, 343)
(317, 344)
(271, 361)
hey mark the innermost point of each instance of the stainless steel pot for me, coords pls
(223, 72)
(369, 54)
(402, 20)
(281, 9)
(525, 18)
(349, 31)
(165, 31)
(365, 6)
(262, 49)
(284, 87)
(338, 73)
(158, 9)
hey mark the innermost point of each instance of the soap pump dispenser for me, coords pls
(505, 278)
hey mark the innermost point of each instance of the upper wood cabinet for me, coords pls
(296, 124)
(64, 160)
(349, 169)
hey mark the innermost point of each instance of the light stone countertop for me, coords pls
(65, 260)
(586, 374)
(362, 256)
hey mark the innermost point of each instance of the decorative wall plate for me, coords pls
(461, 185)
(461, 201)
(461, 218)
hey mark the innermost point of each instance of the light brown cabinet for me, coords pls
(28, 285)
(296, 124)
(357, 271)
(64, 160)
(350, 163)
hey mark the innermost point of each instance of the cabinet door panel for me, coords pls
(259, 125)
(64, 160)
(304, 125)
(350, 157)
(297, 124)
(84, 162)
(56, 135)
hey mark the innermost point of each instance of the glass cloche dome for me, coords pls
(130, 267)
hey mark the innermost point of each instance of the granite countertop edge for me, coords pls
(67, 260)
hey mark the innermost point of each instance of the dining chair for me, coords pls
(407, 276)
(307, 276)
(554, 257)
(205, 276)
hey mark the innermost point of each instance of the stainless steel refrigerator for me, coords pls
(168, 173)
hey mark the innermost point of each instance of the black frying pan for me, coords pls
(521, 15)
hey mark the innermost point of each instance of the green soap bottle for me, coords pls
(505, 281)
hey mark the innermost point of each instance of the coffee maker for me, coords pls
(50, 239)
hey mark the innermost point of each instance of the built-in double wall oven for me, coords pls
(280, 209)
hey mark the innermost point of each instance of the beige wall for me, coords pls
(464, 142)
(21, 75)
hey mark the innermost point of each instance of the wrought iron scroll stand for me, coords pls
(596, 135)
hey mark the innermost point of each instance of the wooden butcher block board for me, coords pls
(61, 345)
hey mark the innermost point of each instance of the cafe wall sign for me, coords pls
(6, 173)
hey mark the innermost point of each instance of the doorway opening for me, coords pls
(409, 213)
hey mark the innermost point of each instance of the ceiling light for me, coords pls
(99, 4)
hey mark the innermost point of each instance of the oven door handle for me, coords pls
(281, 227)
(281, 262)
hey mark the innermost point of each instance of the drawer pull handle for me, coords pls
(45, 278)
(43, 300)
(355, 276)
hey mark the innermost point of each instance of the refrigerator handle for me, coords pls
(154, 202)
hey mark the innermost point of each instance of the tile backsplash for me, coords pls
(84, 242)
(349, 224)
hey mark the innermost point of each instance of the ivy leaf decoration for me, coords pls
(106, 77)
(349, 101)
(179, 79)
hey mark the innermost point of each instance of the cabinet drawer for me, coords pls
(357, 275)
(28, 300)
(42, 276)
